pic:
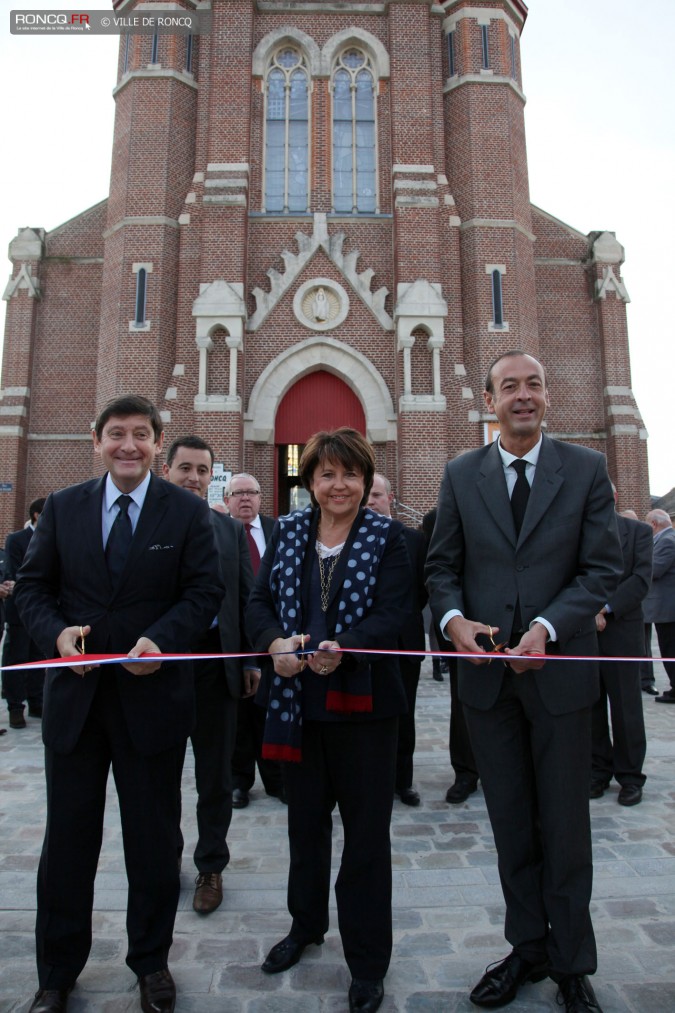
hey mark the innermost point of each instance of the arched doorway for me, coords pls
(317, 401)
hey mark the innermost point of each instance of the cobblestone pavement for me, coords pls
(448, 909)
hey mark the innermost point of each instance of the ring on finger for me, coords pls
(323, 670)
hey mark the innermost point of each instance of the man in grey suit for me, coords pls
(659, 605)
(218, 684)
(534, 571)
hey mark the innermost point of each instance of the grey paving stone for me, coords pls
(448, 914)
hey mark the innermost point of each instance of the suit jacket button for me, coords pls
(509, 608)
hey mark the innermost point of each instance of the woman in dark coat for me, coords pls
(333, 580)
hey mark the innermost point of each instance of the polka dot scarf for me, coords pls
(348, 691)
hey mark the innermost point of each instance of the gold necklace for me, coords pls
(325, 576)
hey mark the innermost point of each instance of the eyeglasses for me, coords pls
(245, 492)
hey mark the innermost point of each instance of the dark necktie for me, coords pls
(253, 549)
(119, 539)
(520, 494)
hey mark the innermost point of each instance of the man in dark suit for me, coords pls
(219, 684)
(533, 572)
(126, 561)
(620, 626)
(242, 496)
(18, 647)
(462, 759)
(659, 605)
(411, 638)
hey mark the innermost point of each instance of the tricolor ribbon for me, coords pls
(117, 659)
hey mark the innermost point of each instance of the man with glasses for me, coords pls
(242, 496)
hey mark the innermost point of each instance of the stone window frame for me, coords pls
(272, 65)
(496, 273)
(369, 67)
(485, 46)
(140, 322)
(452, 54)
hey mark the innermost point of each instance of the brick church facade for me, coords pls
(318, 215)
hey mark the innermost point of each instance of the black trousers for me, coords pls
(76, 791)
(621, 755)
(535, 770)
(647, 667)
(665, 633)
(461, 753)
(20, 686)
(248, 751)
(410, 674)
(212, 745)
(351, 764)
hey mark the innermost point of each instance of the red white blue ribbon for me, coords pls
(117, 659)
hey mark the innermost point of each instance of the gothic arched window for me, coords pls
(354, 134)
(287, 132)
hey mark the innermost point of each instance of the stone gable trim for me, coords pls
(160, 71)
(610, 283)
(497, 223)
(60, 437)
(141, 220)
(311, 7)
(483, 16)
(74, 260)
(598, 435)
(618, 392)
(559, 261)
(24, 279)
(457, 81)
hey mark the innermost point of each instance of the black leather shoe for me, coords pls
(460, 790)
(285, 954)
(667, 697)
(158, 992)
(598, 788)
(652, 690)
(501, 981)
(409, 796)
(50, 1000)
(576, 993)
(239, 798)
(365, 995)
(208, 892)
(16, 718)
(630, 794)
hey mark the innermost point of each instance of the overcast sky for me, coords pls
(600, 84)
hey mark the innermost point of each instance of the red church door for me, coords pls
(317, 401)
